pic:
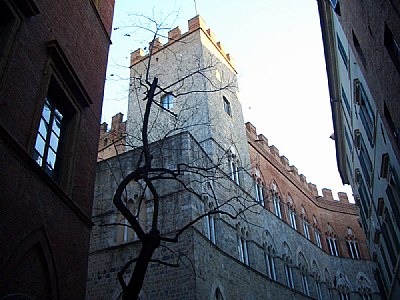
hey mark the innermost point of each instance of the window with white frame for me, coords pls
(306, 229)
(317, 236)
(270, 263)
(332, 245)
(353, 249)
(289, 275)
(277, 205)
(344, 295)
(209, 222)
(292, 216)
(365, 293)
(318, 289)
(259, 191)
(167, 101)
(234, 167)
(304, 283)
(242, 249)
(48, 146)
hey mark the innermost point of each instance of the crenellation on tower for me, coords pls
(136, 56)
(263, 140)
(274, 150)
(327, 194)
(222, 48)
(211, 35)
(174, 35)
(343, 197)
(284, 161)
(294, 170)
(196, 22)
(303, 178)
(155, 45)
(313, 188)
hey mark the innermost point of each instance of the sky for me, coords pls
(278, 53)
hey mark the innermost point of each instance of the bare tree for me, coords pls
(197, 175)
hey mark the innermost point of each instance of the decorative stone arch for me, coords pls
(259, 185)
(207, 190)
(316, 270)
(242, 229)
(34, 247)
(304, 214)
(328, 278)
(258, 175)
(316, 223)
(276, 195)
(290, 202)
(217, 290)
(330, 231)
(342, 283)
(269, 243)
(301, 260)
(364, 286)
(287, 254)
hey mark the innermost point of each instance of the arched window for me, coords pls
(125, 233)
(317, 232)
(234, 164)
(332, 241)
(288, 271)
(258, 187)
(209, 222)
(317, 280)
(276, 201)
(364, 289)
(305, 223)
(352, 245)
(270, 262)
(243, 252)
(292, 213)
(342, 287)
(218, 294)
(304, 281)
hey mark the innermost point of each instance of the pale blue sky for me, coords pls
(277, 49)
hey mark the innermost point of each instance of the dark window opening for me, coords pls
(390, 122)
(342, 51)
(359, 49)
(227, 106)
(8, 28)
(337, 9)
(392, 47)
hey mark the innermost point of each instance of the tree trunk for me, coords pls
(149, 245)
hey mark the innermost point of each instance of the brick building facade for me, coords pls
(53, 57)
(287, 241)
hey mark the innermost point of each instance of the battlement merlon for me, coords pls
(273, 150)
(174, 35)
